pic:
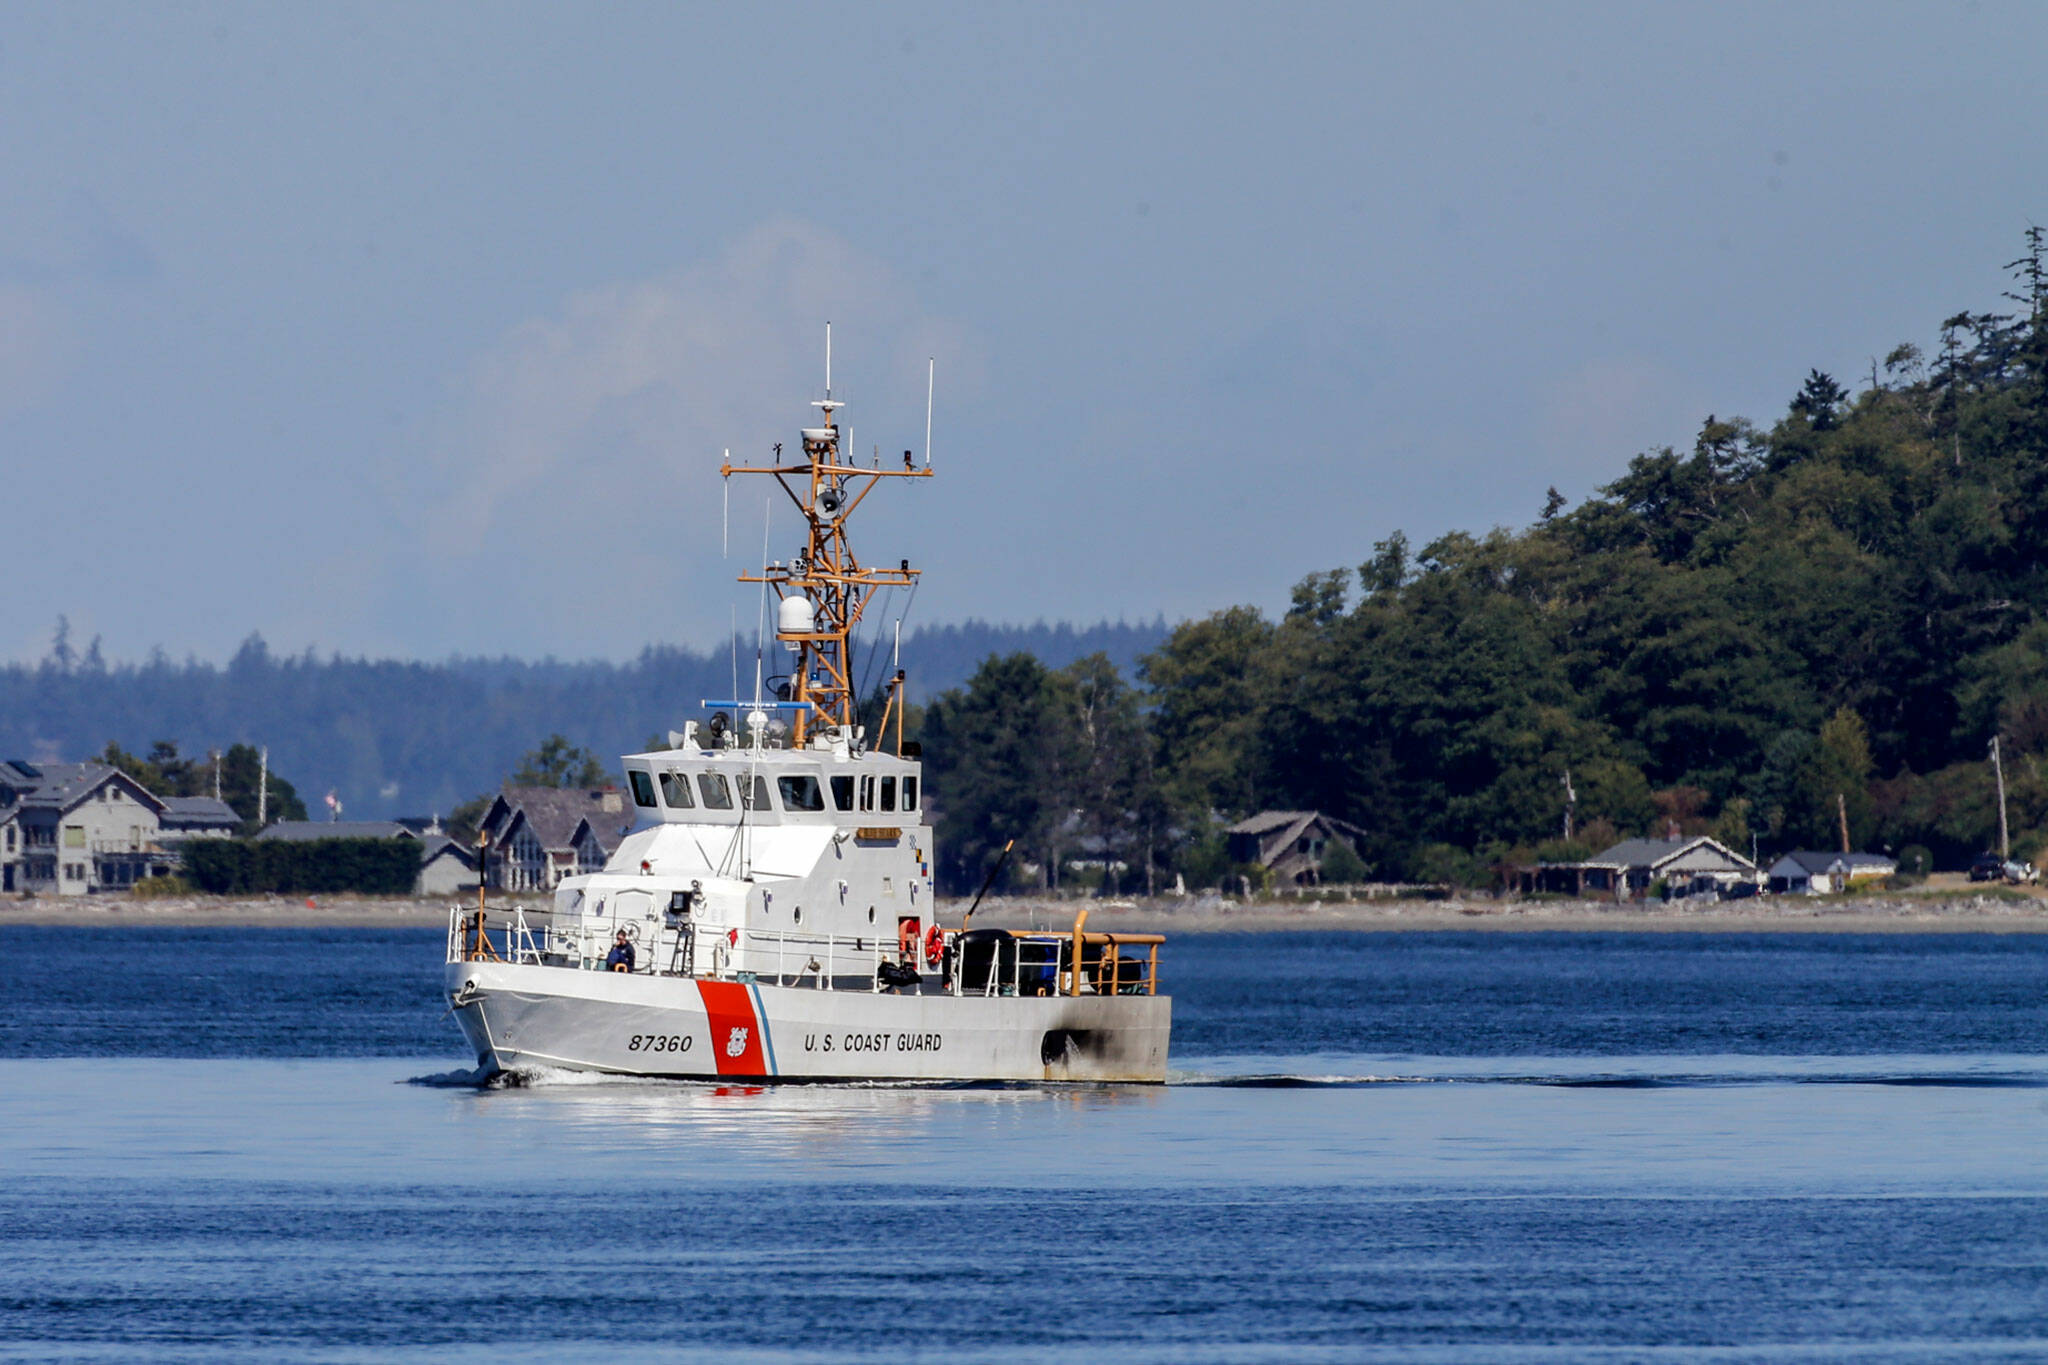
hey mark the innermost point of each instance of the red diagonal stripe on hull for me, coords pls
(730, 1008)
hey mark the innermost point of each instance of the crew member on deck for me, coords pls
(621, 956)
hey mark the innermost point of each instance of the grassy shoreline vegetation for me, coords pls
(1787, 626)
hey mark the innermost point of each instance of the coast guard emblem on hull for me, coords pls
(735, 1042)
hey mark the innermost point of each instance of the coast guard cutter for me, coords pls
(777, 889)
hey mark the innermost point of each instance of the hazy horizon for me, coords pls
(745, 639)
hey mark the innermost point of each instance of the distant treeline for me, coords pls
(1773, 634)
(394, 738)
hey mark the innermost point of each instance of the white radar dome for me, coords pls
(794, 616)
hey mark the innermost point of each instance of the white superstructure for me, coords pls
(777, 894)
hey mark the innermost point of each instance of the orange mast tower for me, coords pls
(821, 593)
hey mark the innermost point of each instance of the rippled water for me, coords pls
(259, 1143)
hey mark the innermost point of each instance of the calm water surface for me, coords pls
(254, 1144)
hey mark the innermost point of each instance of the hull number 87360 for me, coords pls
(659, 1042)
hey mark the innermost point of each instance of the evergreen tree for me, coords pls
(558, 763)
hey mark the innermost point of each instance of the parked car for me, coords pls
(1992, 868)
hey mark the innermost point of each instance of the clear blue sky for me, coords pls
(412, 330)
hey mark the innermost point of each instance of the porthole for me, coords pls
(871, 914)
(797, 916)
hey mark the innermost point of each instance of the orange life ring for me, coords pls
(934, 946)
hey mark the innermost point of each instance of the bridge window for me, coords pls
(842, 794)
(888, 793)
(867, 793)
(754, 793)
(643, 789)
(675, 791)
(910, 793)
(717, 795)
(800, 793)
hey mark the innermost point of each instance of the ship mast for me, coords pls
(826, 487)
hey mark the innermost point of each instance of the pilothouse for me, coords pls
(776, 895)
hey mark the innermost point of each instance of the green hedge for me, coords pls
(230, 867)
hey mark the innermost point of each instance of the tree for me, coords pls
(996, 753)
(1209, 684)
(242, 773)
(1819, 399)
(1342, 866)
(558, 763)
(1843, 769)
(1112, 764)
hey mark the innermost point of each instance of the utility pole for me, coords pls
(263, 789)
(1842, 815)
(2004, 835)
(1571, 800)
(216, 774)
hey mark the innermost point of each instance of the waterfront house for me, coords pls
(1290, 843)
(1629, 868)
(446, 867)
(1817, 874)
(540, 835)
(70, 829)
(198, 817)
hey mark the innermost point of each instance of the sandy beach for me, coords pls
(1939, 909)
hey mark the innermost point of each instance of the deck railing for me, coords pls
(1024, 964)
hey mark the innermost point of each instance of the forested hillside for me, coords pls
(395, 738)
(1847, 603)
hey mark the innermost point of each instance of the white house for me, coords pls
(1817, 874)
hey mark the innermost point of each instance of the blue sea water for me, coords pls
(257, 1144)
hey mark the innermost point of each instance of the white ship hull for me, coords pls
(522, 1017)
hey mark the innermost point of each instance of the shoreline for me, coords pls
(1946, 913)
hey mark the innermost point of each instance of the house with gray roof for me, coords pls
(447, 867)
(1629, 868)
(70, 829)
(198, 817)
(1817, 874)
(539, 835)
(1290, 843)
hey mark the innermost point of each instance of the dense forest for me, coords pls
(1783, 626)
(397, 738)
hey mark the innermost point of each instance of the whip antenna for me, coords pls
(761, 616)
(931, 379)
